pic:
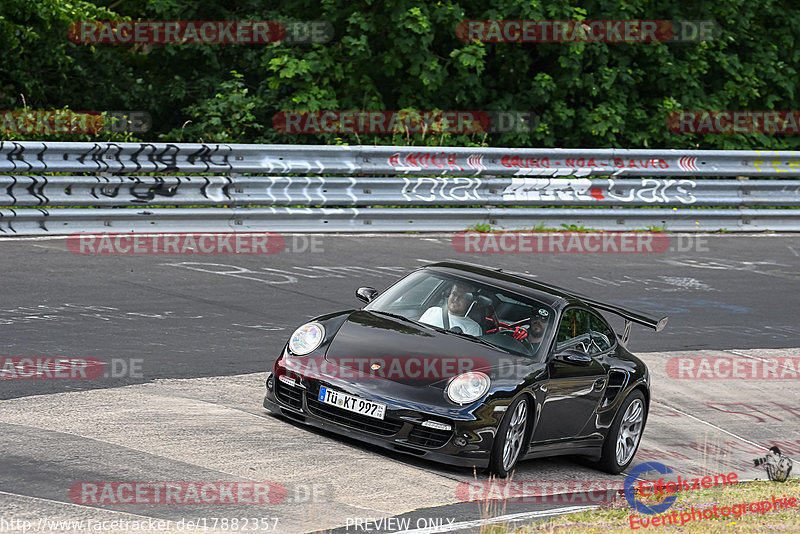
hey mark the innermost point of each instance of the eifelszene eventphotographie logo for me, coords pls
(647, 487)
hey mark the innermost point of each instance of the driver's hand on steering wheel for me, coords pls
(520, 333)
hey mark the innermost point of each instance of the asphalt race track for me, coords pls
(186, 341)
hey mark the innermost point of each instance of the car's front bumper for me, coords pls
(468, 443)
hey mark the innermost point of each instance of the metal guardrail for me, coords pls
(68, 221)
(34, 157)
(238, 190)
(479, 186)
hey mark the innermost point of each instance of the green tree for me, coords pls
(400, 54)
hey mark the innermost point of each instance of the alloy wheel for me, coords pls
(630, 431)
(515, 435)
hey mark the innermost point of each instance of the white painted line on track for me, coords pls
(793, 250)
(76, 505)
(33, 238)
(750, 356)
(511, 518)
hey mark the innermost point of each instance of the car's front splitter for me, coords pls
(468, 444)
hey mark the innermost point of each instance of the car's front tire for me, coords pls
(510, 439)
(625, 434)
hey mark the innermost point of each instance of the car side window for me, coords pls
(602, 335)
(573, 331)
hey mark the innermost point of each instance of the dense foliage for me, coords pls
(403, 54)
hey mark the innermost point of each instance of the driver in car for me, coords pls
(532, 337)
(458, 305)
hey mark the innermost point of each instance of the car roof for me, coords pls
(554, 296)
(509, 280)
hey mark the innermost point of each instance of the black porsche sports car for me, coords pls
(471, 366)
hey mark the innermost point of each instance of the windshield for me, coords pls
(505, 320)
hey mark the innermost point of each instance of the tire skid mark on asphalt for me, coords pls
(278, 509)
(699, 414)
(63, 462)
(242, 395)
(228, 449)
(289, 276)
(406, 461)
(119, 445)
(725, 264)
(712, 425)
(294, 514)
(265, 415)
(194, 298)
(359, 447)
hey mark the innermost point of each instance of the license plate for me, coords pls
(351, 403)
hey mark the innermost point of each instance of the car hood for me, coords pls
(372, 345)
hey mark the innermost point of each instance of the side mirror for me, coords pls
(573, 357)
(366, 294)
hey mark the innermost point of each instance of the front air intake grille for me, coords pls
(383, 427)
(429, 437)
(289, 395)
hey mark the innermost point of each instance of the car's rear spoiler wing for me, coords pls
(630, 317)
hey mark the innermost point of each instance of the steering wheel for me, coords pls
(514, 329)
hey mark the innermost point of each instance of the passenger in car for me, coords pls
(459, 301)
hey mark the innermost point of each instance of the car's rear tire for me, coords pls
(510, 439)
(625, 434)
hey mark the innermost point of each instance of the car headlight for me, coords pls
(306, 338)
(468, 387)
